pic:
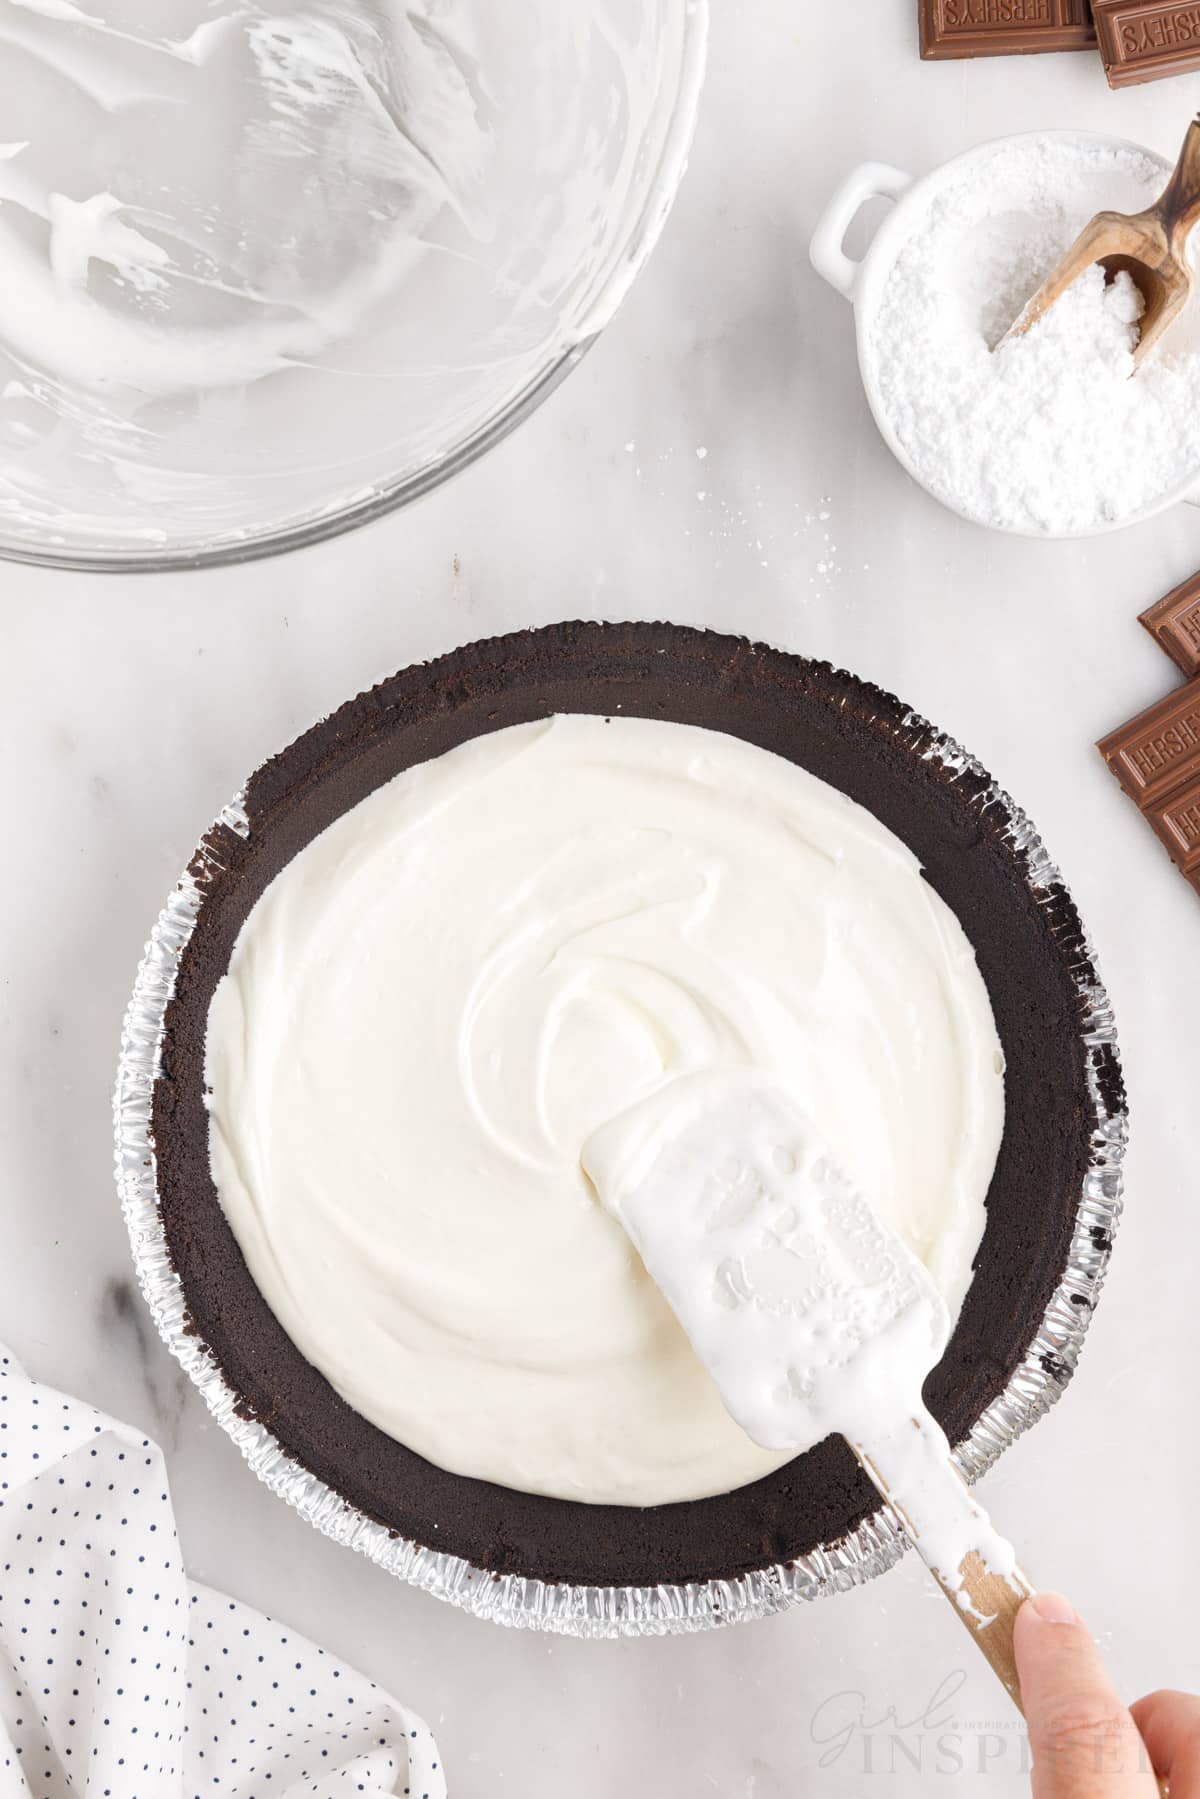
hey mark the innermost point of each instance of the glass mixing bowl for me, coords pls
(269, 271)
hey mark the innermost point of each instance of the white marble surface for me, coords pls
(129, 710)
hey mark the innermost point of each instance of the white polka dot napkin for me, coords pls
(122, 1679)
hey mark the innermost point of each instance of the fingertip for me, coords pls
(1052, 1608)
(1044, 1620)
(1057, 1659)
(1169, 1724)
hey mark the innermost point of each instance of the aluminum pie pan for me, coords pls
(611, 1611)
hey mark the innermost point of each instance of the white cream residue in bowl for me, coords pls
(262, 261)
(434, 1005)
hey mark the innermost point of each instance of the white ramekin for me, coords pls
(863, 282)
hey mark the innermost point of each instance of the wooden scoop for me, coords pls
(1150, 246)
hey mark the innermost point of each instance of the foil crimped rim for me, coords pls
(624, 1611)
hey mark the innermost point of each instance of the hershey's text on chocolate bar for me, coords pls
(953, 28)
(1141, 40)
(1159, 751)
(1177, 821)
(1175, 623)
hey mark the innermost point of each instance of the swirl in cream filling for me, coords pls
(435, 1004)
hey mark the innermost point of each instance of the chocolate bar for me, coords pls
(952, 28)
(1159, 751)
(1141, 40)
(1174, 622)
(1177, 822)
(1156, 756)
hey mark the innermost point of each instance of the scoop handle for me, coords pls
(1178, 206)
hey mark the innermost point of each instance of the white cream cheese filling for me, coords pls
(435, 1004)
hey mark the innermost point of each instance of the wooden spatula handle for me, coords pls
(986, 1603)
(1178, 206)
(998, 1600)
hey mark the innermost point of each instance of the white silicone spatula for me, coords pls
(810, 1314)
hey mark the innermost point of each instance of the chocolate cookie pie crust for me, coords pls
(1030, 948)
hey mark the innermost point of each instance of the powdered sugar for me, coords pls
(1050, 432)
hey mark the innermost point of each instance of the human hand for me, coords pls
(1085, 1743)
